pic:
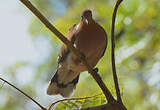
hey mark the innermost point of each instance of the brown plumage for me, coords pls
(89, 38)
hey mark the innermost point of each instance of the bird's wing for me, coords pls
(64, 80)
(64, 51)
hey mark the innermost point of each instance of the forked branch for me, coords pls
(94, 74)
(112, 103)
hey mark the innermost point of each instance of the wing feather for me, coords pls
(64, 51)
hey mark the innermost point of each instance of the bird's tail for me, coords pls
(63, 83)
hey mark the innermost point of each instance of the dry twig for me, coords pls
(112, 53)
(23, 93)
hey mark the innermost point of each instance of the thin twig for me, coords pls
(72, 99)
(112, 52)
(94, 74)
(23, 93)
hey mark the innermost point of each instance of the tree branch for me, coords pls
(108, 106)
(23, 93)
(71, 99)
(94, 74)
(112, 53)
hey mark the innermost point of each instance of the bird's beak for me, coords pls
(86, 21)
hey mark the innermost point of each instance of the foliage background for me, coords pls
(137, 53)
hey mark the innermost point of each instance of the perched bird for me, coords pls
(90, 39)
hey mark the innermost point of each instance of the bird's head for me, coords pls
(86, 15)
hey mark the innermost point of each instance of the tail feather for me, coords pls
(64, 89)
